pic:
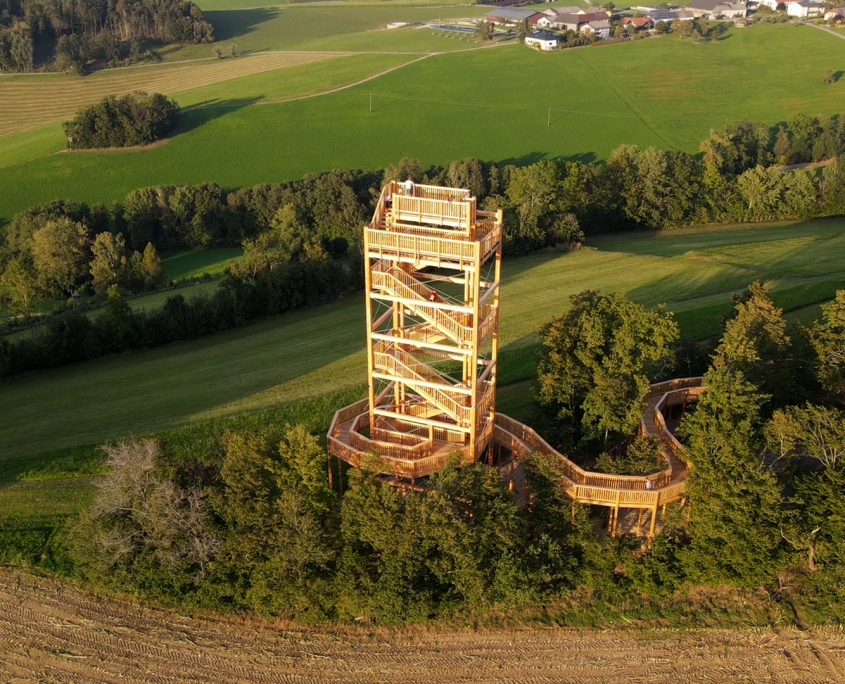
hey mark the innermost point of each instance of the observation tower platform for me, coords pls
(432, 274)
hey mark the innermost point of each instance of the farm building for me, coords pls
(805, 9)
(543, 39)
(711, 9)
(573, 22)
(600, 28)
(671, 16)
(835, 14)
(638, 22)
(557, 11)
(508, 16)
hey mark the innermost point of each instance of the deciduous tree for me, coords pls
(60, 253)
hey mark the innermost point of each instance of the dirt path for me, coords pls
(51, 633)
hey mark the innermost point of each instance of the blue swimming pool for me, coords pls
(456, 29)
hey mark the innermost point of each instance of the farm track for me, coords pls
(55, 98)
(55, 633)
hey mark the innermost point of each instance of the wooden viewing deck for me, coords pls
(432, 267)
(348, 442)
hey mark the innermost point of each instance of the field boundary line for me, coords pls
(333, 90)
(364, 80)
(825, 29)
(624, 101)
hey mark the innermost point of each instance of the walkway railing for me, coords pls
(414, 460)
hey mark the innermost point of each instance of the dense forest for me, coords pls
(72, 34)
(314, 225)
(247, 520)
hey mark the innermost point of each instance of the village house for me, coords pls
(640, 23)
(805, 9)
(780, 5)
(548, 16)
(599, 28)
(543, 39)
(574, 22)
(835, 14)
(710, 9)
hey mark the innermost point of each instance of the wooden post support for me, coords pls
(510, 487)
(653, 522)
(331, 484)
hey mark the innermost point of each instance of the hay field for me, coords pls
(33, 100)
(57, 633)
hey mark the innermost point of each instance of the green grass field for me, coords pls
(318, 352)
(198, 263)
(662, 92)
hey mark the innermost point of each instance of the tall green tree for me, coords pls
(110, 265)
(828, 340)
(280, 509)
(60, 253)
(736, 500)
(755, 343)
(23, 293)
(151, 266)
(595, 362)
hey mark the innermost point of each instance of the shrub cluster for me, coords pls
(134, 119)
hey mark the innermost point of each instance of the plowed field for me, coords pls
(46, 98)
(51, 633)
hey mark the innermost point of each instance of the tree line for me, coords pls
(738, 177)
(73, 33)
(133, 119)
(251, 522)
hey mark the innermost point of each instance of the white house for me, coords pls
(774, 4)
(600, 28)
(717, 8)
(805, 9)
(543, 39)
(836, 14)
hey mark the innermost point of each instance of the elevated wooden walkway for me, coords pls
(350, 441)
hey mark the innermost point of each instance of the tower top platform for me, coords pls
(429, 223)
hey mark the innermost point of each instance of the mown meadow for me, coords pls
(506, 104)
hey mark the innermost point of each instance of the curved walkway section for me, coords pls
(348, 441)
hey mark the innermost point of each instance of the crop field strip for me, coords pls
(44, 99)
(57, 633)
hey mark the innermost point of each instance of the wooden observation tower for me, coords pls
(432, 262)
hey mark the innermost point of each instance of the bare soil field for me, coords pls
(50, 632)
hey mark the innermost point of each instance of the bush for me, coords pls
(134, 119)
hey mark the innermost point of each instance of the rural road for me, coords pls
(55, 633)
